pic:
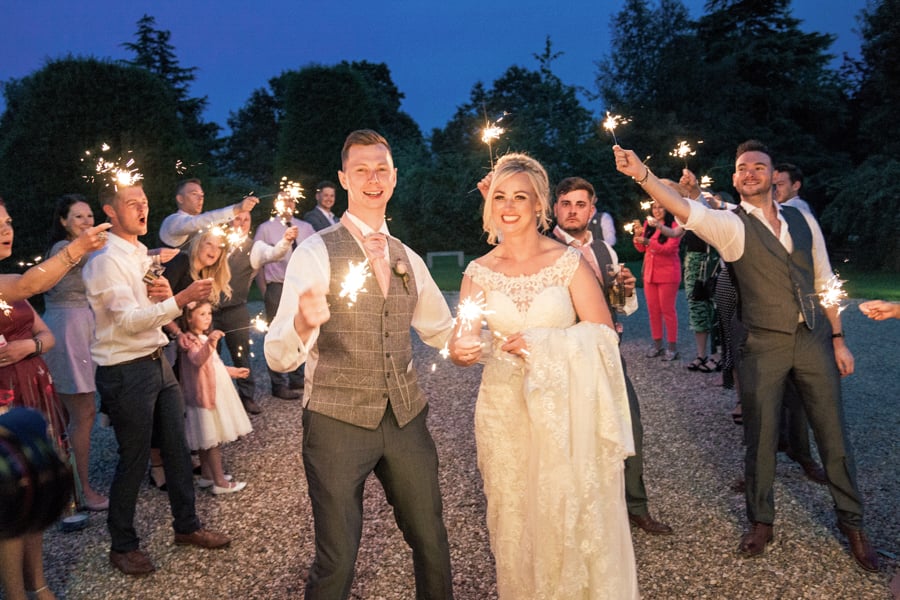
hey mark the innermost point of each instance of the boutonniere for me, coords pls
(402, 271)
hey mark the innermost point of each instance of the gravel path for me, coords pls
(693, 457)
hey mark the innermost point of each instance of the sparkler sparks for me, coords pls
(491, 132)
(354, 281)
(471, 311)
(629, 227)
(683, 150)
(646, 205)
(5, 308)
(256, 323)
(706, 181)
(611, 122)
(833, 293)
(118, 172)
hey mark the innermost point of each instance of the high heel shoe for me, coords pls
(158, 478)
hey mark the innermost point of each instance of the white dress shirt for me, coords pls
(310, 266)
(177, 228)
(128, 324)
(262, 253)
(799, 203)
(724, 230)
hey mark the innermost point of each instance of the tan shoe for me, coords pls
(204, 538)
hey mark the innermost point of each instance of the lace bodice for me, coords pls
(516, 303)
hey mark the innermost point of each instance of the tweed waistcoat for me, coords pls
(774, 286)
(364, 350)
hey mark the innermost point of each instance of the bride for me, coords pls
(552, 424)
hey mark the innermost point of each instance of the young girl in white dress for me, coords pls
(213, 409)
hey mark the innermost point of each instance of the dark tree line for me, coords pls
(744, 69)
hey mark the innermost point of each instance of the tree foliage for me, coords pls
(154, 52)
(72, 105)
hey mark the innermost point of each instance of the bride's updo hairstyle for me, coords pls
(507, 166)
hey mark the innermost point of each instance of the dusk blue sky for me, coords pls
(436, 50)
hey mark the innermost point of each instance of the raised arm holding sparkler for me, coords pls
(778, 257)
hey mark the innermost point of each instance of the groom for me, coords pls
(363, 409)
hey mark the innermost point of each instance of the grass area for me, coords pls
(447, 273)
(881, 285)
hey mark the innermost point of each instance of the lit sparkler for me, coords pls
(118, 172)
(629, 227)
(611, 122)
(471, 311)
(491, 132)
(257, 323)
(706, 181)
(355, 280)
(683, 150)
(646, 205)
(833, 293)
(5, 308)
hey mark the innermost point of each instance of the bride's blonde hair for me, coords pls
(507, 166)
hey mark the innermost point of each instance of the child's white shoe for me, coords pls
(231, 488)
(205, 483)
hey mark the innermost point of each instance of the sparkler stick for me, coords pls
(257, 323)
(613, 121)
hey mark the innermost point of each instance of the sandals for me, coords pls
(703, 364)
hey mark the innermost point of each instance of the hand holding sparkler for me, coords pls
(312, 310)
(690, 184)
(515, 344)
(199, 289)
(290, 234)
(465, 344)
(628, 163)
(485, 184)
(246, 205)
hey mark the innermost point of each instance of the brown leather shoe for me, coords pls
(754, 542)
(650, 525)
(860, 548)
(132, 563)
(203, 538)
(814, 472)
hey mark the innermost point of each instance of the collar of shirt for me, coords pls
(757, 212)
(567, 239)
(123, 245)
(365, 230)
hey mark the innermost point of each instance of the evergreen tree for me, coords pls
(154, 52)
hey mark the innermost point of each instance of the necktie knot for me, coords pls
(375, 243)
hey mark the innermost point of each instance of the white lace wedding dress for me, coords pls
(552, 433)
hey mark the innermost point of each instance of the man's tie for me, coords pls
(374, 245)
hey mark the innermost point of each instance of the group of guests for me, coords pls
(559, 446)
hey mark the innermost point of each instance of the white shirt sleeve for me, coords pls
(262, 253)
(180, 225)
(608, 227)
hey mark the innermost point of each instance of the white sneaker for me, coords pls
(670, 355)
(205, 483)
(233, 486)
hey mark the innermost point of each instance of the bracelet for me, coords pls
(66, 256)
(38, 347)
(839, 334)
(643, 180)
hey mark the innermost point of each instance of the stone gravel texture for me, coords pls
(693, 458)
